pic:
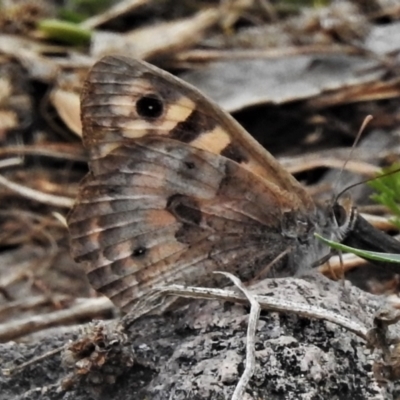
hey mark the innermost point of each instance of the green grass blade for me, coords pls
(371, 255)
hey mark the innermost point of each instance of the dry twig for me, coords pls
(251, 334)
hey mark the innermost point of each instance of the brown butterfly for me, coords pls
(178, 189)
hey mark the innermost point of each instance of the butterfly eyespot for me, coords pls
(139, 251)
(149, 106)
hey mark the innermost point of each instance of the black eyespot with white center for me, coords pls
(150, 106)
(139, 252)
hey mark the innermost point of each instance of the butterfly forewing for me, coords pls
(126, 99)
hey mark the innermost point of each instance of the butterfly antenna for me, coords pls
(366, 121)
(366, 181)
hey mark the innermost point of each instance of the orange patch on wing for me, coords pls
(158, 253)
(159, 218)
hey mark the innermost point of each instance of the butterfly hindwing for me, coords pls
(157, 211)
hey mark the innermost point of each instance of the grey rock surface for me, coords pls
(198, 353)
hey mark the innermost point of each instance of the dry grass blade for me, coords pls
(118, 10)
(15, 370)
(358, 167)
(63, 152)
(157, 40)
(204, 56)
(268, 303)
(82, 309)
(56, 201)
(250, 341)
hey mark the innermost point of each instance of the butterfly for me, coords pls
(177, 189)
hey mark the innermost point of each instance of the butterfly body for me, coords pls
(178, 190)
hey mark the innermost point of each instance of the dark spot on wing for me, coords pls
(190, 234)
(185, 209)
(192, 127)
(229, 185)
(234, 153)
(190, 165)
(86, 257)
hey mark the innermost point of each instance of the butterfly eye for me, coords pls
(149, 106)
(340, 214)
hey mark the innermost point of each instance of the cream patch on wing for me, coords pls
(179, 111)
(214, 140)
(123, 105)
(104, 149)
